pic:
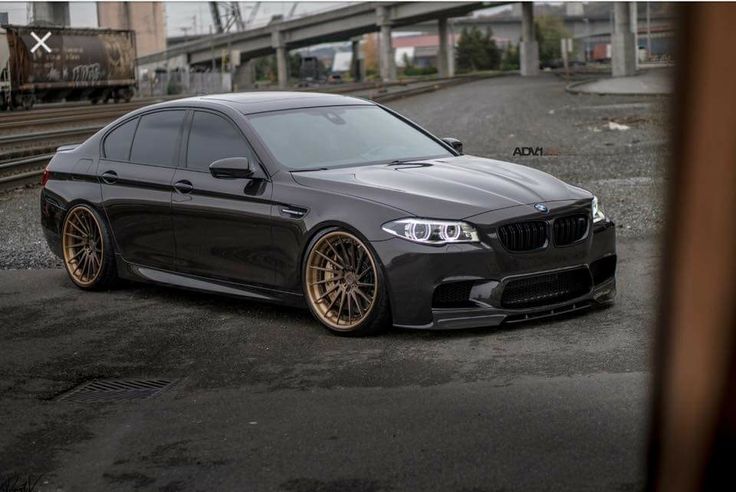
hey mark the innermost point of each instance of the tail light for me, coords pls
(44, 177)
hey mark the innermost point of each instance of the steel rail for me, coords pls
(8, 140)
(22, 171)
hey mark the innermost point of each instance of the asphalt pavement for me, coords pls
(266, 399)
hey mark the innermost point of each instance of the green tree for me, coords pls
(549, 31)
(476, 51)
(295, 64)
(266, 68)
(510, 59)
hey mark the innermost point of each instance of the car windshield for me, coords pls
(328, 137)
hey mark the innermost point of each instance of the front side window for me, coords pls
(212, 138)
(156, 138)
(117, 142)
(339, 136)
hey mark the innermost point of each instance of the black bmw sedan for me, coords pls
(327, 201)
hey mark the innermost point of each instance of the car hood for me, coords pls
(448, 188)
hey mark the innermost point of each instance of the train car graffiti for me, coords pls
(70, 64)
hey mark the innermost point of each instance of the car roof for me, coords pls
(264, 101)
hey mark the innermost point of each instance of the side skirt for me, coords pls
(140, 273)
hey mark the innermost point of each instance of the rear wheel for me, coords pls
(344, 286)
(88, 250)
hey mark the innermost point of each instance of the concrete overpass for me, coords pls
(340, 24)
(579, 27)
(344, 23)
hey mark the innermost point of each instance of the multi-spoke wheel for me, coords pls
(86, 246)
(343, 284)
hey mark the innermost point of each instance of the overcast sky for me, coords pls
(193, 16)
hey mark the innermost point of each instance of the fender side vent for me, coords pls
(292, 212)
(106, 390)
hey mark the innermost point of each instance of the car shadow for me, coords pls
(235, 305)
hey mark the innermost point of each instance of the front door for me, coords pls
(136, 186)
(222, 226)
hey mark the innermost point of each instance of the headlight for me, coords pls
(428, 231)
(597, 210)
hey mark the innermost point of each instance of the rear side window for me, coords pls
(117, 142)
(156, 138)
(211, 138)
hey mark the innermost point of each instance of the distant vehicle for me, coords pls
(63, 63)
(332, 202)
(601, 52)
(554, 63)
(311, 70)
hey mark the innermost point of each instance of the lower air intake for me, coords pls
(543, 290)
(452, 294)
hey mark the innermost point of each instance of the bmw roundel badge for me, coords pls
(541, 207)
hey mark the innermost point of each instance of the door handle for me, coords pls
(109, 177)
(183, 186)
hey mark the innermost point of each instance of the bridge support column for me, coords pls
(355, 69)
(282, 62)
(623, 43)
(451, 52)
(386, 51)
(529, 48)
(443, 59)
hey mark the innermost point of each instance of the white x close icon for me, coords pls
(41, 42)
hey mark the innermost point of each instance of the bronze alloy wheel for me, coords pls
(341, 281)
(83, 246)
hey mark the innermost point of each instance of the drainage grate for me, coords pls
(117, 390)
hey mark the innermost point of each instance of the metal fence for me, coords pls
(184, 83)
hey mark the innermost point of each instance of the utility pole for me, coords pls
(212, 51)
(649, 35)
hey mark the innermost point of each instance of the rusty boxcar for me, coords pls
(51, 63)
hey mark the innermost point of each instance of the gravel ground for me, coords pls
(624, 167)
(23, 245)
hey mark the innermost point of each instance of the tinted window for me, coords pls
(156, 138)
(117, 142)
(335, 136)
(212, 138)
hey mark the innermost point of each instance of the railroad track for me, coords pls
(87, 112)
(23, 156)
(80, 112)
(20, 172)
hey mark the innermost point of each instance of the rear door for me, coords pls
(222, 226)
(136, 172)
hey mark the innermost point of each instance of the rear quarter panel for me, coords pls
(72, 179)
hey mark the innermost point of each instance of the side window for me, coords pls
(117, 142)
(211, 138)
(157, 137)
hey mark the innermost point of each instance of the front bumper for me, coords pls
(414, 271)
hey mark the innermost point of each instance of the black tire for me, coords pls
(378, 316)
(105, 275)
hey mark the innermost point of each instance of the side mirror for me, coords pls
(454, 143)
(231, 168)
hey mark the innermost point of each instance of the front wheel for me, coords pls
(88, 251)
(344, 286)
